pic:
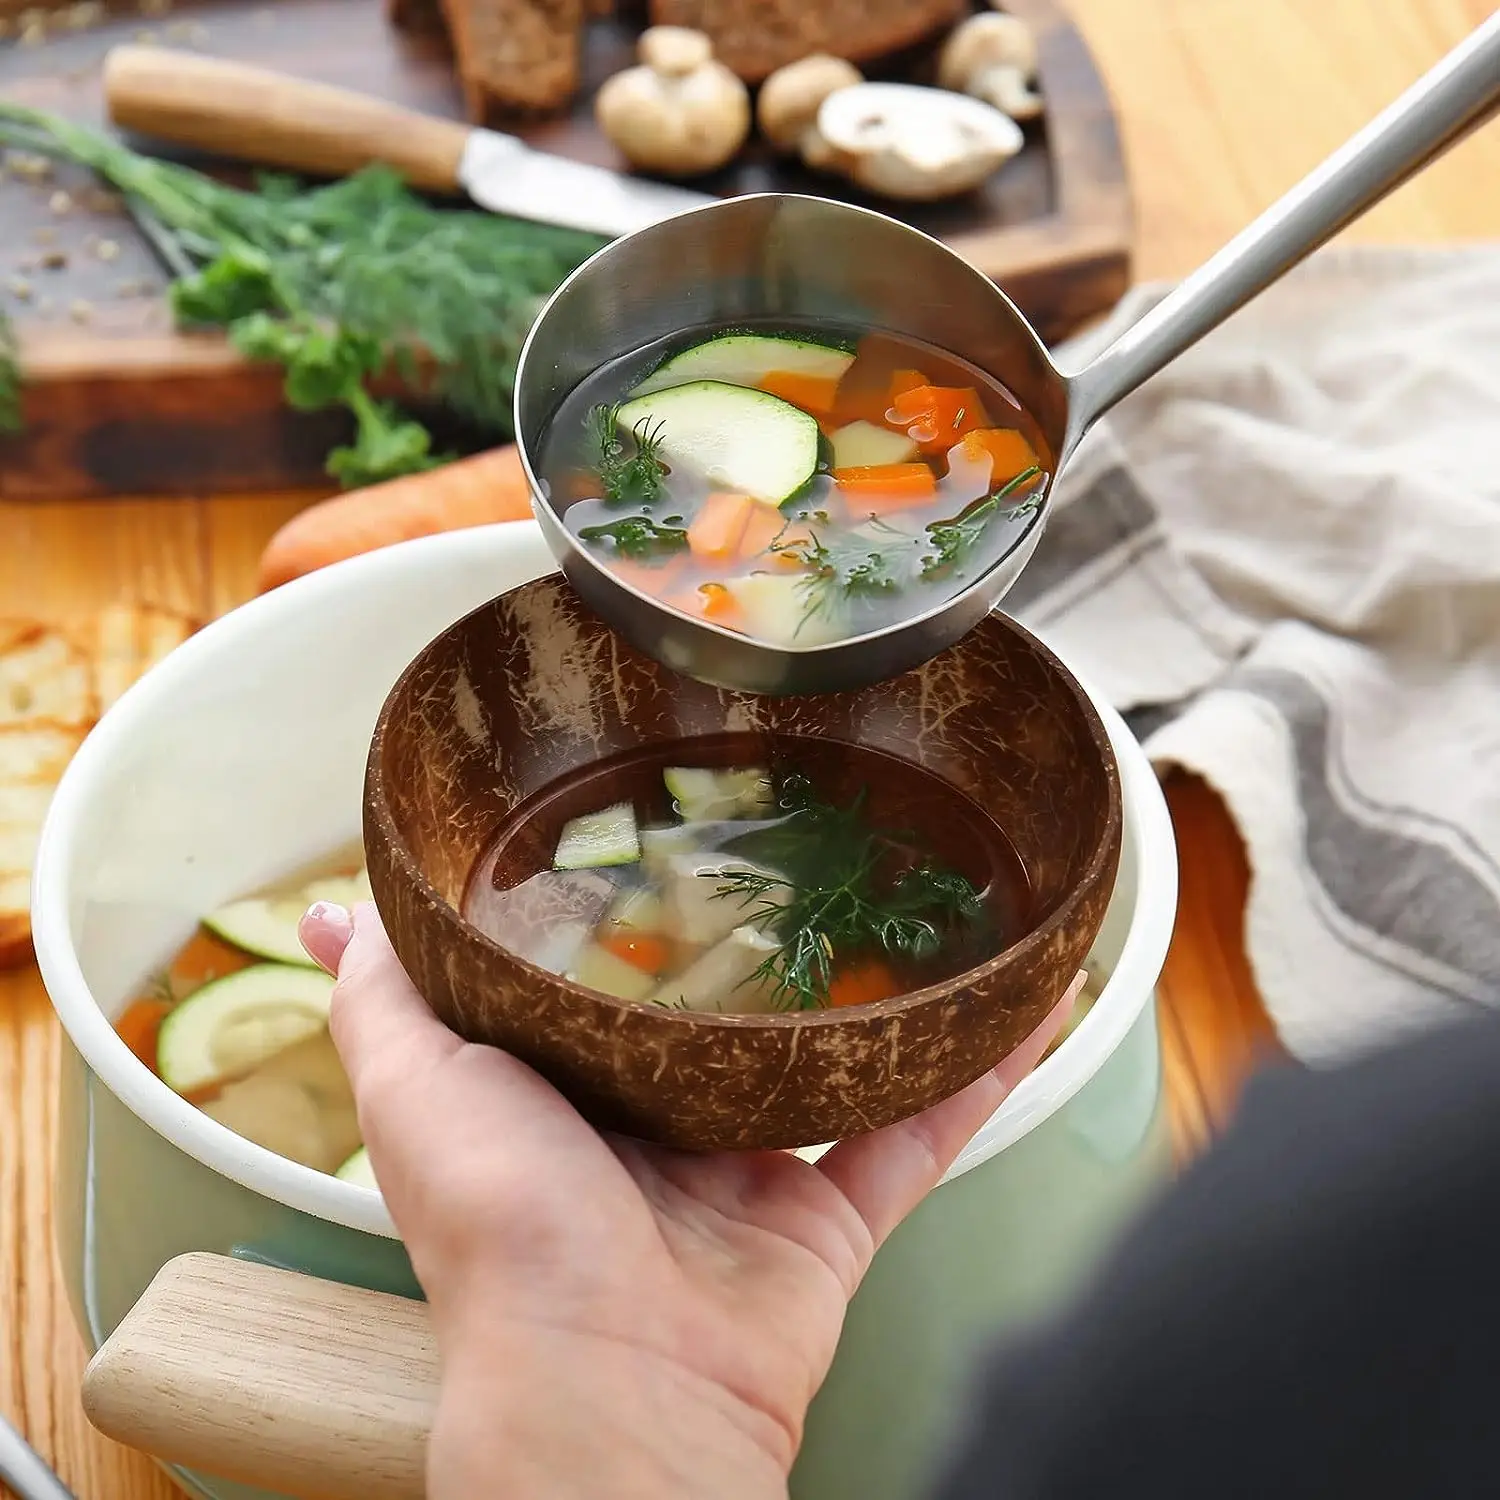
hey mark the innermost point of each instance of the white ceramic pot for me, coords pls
(241, 757)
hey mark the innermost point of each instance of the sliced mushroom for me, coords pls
(789, 101)
(993, 58)
(915, 143)
(679, 113)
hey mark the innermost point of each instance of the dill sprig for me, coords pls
(10, 377)
(636, 477)
(882, 558)
(342, 285)
(640, 537)
(953, 540)
(829, 899)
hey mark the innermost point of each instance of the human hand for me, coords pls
(614, 1319)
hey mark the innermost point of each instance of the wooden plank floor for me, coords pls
(1223, 105)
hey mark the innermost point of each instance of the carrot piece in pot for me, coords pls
(139, 1025)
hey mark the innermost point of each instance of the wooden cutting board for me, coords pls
(118, 402)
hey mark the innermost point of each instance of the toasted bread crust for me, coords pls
(755, 37)
(54, 683)
(515, 56)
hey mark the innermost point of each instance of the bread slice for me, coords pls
(33, 757)
(43, 675)
(53, 685)
(755, 37)
(126, 639)
(515, 56)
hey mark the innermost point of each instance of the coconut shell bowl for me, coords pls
(532, 688)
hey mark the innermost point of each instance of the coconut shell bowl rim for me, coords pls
(1101, 859)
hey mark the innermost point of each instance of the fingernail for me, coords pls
(325, 930)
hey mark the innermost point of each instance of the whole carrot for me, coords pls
(474, 491)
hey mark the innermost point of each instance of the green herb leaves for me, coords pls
(10, 378)
(844, 900)
(634, 477)
(952, 541)
(882, 557)
(639, 537)
(344, 285)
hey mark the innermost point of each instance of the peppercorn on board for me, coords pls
(119, 401)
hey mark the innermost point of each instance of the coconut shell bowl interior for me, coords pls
(532, 687)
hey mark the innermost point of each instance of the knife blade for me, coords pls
(507, 176)
(254, 114)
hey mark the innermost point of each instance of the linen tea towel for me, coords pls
(1281, 559)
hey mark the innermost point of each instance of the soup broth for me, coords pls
(798, 484)
(237, 1023)
(739, 873)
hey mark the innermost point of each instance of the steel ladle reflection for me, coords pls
(784, 256)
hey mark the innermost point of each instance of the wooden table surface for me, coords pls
(1223, 105)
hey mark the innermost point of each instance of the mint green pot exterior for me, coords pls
(141, 836)
(986, 1253)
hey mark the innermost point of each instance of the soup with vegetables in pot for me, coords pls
(740, 873)
(238, 1025)
(793, 484)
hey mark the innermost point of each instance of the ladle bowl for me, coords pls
(782, 257)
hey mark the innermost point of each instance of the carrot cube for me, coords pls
(715, 532)
(937, 416)
(766, 523)
(815, 394)
(709, 601)
(1008, 451)
(877, 487)
(863, 985)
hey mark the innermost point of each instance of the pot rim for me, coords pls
(1131, 981)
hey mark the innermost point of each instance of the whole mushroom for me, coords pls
(679, 113)
(993, 57)
(921, 144)
(789, 101)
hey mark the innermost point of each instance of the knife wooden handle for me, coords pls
(275, 1379)
(253, 114)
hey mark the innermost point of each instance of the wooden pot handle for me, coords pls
(253, 114)
(275, 1379)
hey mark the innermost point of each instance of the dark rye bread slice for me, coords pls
(755, 37)
(515, 57)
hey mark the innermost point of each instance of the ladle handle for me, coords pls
(1443, 106)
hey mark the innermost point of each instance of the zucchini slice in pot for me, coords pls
(358, 1170)
(231, 1025)
(267, 925)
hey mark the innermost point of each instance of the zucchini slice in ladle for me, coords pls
(735, 437)
(746, 359)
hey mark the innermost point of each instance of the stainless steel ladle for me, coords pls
(782, 256)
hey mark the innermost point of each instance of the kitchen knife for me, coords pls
(253, 114)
